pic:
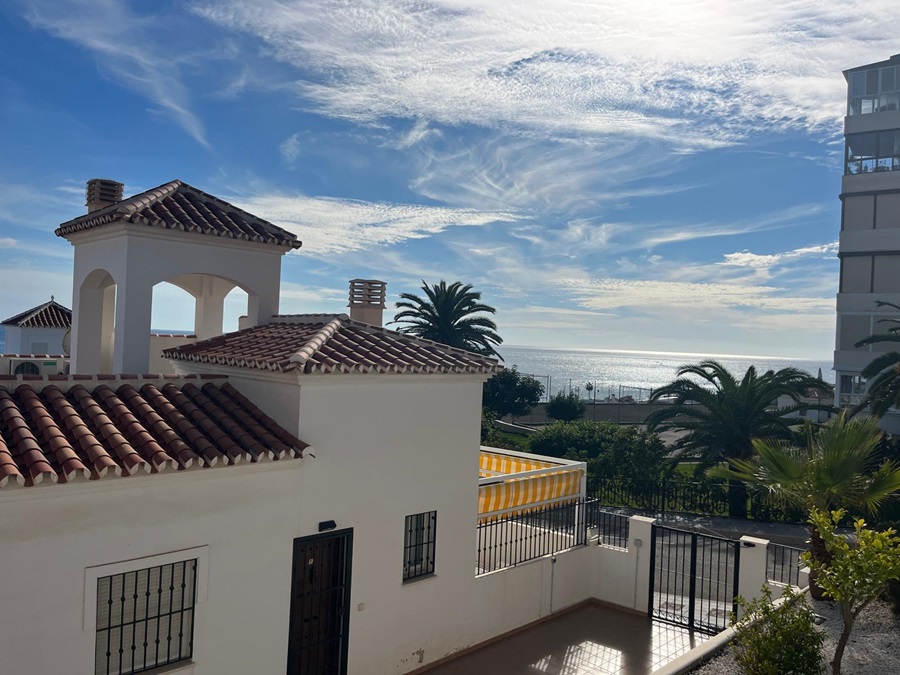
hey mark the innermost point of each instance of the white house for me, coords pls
(39, 330)
(305, 495)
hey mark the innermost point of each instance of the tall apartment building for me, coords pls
(870, 221)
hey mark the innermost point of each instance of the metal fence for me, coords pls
(783, 564)
(706, 498)
(612, 527)
(515, 539)
(693, 578)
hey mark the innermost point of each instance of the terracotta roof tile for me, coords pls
(316, 343)
(179, 206)
(49, 315)
(51, 435)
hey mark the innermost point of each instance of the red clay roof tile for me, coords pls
(58, 436)
(316, 343)
(179, 206)
(49, 315)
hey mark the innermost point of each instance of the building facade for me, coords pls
(870, 223)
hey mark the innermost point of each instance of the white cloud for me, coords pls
(328, 225)
(698, 74)
(290, 148)
(128, 47)
(756, 261)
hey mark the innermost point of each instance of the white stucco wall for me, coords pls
(22, 340)
(137, 258)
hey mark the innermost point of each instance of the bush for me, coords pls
(566, 407)
(777, 640)
(609, 449)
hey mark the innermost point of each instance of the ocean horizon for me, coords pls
(619, 372)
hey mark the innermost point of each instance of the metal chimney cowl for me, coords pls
(102, 192)
(367, 301)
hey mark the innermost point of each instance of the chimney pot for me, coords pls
(102, 192)
(367, 301)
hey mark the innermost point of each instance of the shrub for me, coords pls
(609, 449)
(777, 640)
(565, 407)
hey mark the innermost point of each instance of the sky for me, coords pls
(610, 175)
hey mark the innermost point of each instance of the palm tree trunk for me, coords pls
(737, 499)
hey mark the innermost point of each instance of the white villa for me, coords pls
(305, 495)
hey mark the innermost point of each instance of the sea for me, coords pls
(633, 373)
(619, 373)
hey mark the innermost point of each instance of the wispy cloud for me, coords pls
(128, 48)
(767, 261)
(328, 225)
(697, 74)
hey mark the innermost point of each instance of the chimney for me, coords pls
(367, 300)
(102, 192)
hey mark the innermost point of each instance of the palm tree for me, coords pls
(884, 391)
(445, 315)
(723, 415)
(838, 469)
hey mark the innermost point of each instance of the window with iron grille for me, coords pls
(418, 545)
(145, 618)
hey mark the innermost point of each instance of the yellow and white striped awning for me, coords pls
(545, 481)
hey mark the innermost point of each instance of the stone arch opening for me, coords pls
(93, 327)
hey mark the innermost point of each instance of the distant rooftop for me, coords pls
(49, 315)
(179, 206)
(326, 343)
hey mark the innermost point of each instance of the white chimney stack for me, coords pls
(367, 301)
(102, 192)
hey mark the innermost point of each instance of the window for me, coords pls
(873, 151)
(874, 90)
(418, 545)
(145, 618)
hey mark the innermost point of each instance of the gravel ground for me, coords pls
(874, 647)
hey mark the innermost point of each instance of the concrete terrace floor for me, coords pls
(590, 640)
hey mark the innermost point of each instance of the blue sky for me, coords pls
(641, 175)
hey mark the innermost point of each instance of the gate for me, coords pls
(320, 604)
(693, 578)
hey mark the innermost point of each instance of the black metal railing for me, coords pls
(707, 498)
(783, 564)
(513, 539)
(693, 578)
(612, 527)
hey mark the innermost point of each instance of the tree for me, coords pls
(565, 407)
(450, 314)
(857, 573)
(723, 415)
(884, 391)
(511, 393)
(839, 468)
(610, 450)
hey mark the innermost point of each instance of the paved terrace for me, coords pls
(589, 640)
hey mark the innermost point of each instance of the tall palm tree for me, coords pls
(723, 415)
(838, 469)
(450, 314)
(884, 391)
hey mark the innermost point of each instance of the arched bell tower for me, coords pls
(174, 233)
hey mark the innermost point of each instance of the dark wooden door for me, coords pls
(320, 604)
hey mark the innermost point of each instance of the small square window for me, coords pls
(418, 545)
(145, 618)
